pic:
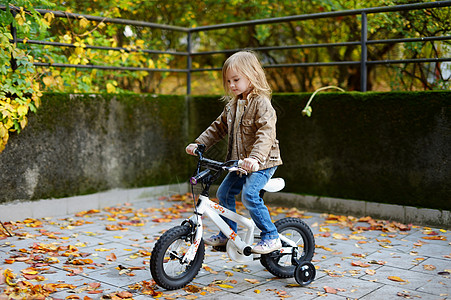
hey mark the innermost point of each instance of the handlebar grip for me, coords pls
(200, 149)
(195, 179)
(254, 167)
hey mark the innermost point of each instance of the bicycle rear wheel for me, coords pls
(166, 264)
(284, 265)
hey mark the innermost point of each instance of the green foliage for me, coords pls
(82, 33)
(417, 23)
(19, 91)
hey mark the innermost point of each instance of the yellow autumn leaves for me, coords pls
(19, 90)
(13, 117)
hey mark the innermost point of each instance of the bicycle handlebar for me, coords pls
(212, 165)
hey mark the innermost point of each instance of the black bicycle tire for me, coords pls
(158, 254)
(270, 263)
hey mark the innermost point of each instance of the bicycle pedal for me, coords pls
(220, 248)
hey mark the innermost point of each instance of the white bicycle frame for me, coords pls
(242, 247)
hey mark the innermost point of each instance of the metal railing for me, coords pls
(189, 54)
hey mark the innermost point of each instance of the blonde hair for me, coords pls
(246, 63)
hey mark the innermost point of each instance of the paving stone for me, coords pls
(399, 292)
(405, 254)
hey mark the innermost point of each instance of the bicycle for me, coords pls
(178, 254)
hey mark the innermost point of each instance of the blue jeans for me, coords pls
(249, 186)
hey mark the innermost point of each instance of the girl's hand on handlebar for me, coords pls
(249, 164)
(191, 149)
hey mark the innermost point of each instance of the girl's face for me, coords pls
(238, 83)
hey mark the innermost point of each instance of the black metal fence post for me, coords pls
(364, 53)
(14, 34)
(189, 64)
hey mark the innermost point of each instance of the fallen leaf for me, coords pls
(225, 286)
(253, 281)
(208, 269)
(124, 294)
(396, 278)
(94, 285)
(330, 290)
(358, 255)
(9, 260)
(436, 237)
(429, 267)
(111, 257)
(360, 264)
(192, 289)
(370, 272)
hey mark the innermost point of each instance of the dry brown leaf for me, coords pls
(191, 288)
(111, 257)
(429, 267)
(253, 281)
(330, 290)
(436, 237)
(208, 269)
(360, 264)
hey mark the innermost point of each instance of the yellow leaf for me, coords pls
(19, 19)
(49, 17)
(3, 130)
(29, 271)
(102, 249)
(84, 22)
(325, 248)
(22, 110)
(257, 291)
(339, 236)
(226, 286)
(396, 278)
(370, 272)
(111, 89)
(208, 269)
(48, 80)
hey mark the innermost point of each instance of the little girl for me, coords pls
(249, 120)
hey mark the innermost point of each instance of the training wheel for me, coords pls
(305, 273)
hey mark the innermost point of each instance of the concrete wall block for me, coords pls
(385, 211)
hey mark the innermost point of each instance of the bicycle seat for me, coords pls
(274, 185)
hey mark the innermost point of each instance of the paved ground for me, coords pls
(104, 255)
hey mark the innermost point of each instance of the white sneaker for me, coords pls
(216, 240)
(267, 246)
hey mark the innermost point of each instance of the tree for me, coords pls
(82, 33)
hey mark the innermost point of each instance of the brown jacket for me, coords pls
(257, 132)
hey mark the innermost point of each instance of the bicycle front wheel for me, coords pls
(166, 262)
